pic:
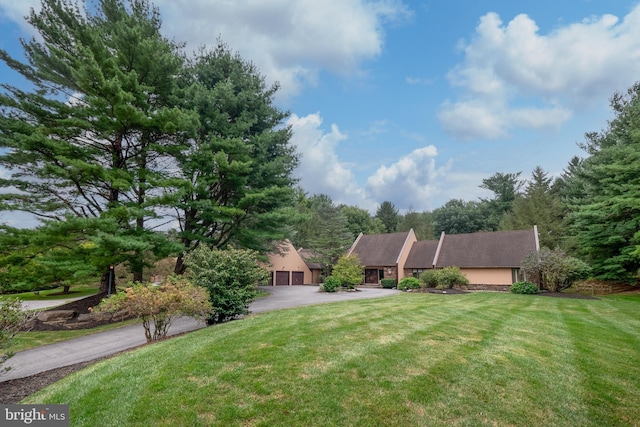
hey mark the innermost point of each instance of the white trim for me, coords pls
(437, 255)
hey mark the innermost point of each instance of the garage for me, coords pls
(297, 278)
(282, 278)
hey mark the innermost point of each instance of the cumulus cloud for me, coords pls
(17, 10)
(552, 75)
(412, 181)
(291, 41)
(320, 171)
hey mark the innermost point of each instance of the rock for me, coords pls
(55, 315)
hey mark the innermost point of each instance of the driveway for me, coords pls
(90, 347)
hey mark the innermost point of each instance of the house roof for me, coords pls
(308, 254)
(380, 249)
(492, 249)
(422, 254)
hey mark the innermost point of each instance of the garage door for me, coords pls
(297, 278)
(282, 278)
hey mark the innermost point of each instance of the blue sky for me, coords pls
(416, 102)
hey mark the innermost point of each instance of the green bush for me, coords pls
(409, 283)
(230, 276)
(450, 276)
(331, 283)
(349, 271)
(524, 288)
(388, 283)
(429, 278)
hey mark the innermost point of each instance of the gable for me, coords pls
(380, 249)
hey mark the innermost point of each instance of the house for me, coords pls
(315, 267)
(287, 267)
(489, 260)
(383, 255)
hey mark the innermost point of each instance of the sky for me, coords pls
(416, 102)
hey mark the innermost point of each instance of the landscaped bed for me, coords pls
(413, 359)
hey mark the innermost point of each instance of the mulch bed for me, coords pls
(80, 306)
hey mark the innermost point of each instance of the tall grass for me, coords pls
(408, 360)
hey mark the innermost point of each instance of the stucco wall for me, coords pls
(488, 276)
(290, 261)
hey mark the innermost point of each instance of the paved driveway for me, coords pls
(89, 347)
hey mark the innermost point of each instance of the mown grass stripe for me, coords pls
(415, 359)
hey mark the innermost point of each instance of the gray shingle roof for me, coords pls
(494, 249)
(380, 249)
(422, 253)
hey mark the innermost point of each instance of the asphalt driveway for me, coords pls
(90, 347)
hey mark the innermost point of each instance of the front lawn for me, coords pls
(408, 360)
(55, 294)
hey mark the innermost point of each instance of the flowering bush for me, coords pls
(158, 305)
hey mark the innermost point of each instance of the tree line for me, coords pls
(121, 135)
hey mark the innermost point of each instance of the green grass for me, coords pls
(481, 359)
(55, 294)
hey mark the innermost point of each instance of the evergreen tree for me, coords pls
(388, 214)
(332, 237)
(540, 206)
(505, 187)
(235, 183)
(91, 139)
(605, 220)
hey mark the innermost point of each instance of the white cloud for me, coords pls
(320, 171)
(17, 10)
(413, 181)
(290, 41)
(512, 76)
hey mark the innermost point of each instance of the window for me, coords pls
(516, 275)
(416, 272)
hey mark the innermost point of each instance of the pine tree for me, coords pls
(91, 139)
(606, 219)
(236, 183)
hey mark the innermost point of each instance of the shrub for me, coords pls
(230, 276)
(12, 320)
(553, 270)
(409, 283)
(429, 278)
(524, 288)
(349, 271)
(331, 283)
(388, 283)
(450, 276)
(158, 305)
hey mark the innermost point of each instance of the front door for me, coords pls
(371, 276)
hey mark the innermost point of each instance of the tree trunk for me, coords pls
(104, 281)
(180, 266)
